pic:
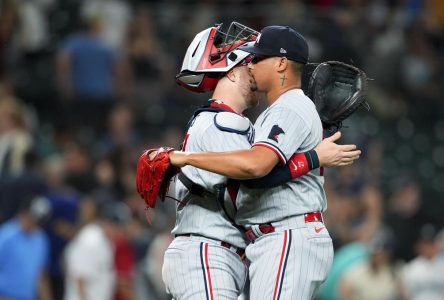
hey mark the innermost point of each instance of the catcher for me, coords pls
(208, 248)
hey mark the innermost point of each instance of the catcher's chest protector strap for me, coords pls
(232, 122)
(192, 187)
(229, 120)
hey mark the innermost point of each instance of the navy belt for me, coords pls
(238, 251)
(261, 229)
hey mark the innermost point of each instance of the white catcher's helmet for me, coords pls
(211, 54)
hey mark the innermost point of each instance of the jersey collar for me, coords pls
(219, 104)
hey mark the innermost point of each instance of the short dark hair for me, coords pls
(296, 67)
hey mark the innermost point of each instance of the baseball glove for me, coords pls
(154, 173)
(337, 89)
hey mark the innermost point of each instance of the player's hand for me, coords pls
(178, 158)
(333, 155)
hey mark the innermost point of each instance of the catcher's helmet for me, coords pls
(211, 54)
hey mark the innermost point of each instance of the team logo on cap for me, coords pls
(283, 50)
(258, 38)
(275, 132)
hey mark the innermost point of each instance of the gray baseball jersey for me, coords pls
(289, 125)
(292, 261)
(204, 215)
(200, 268)
(199, 264)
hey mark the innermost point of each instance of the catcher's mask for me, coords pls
(211, 54)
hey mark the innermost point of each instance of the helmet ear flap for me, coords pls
(198, 82)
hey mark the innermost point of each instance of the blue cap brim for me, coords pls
(251, 48)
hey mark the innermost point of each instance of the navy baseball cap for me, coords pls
(279, 41)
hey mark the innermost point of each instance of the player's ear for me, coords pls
(231, 75)
(281, 64)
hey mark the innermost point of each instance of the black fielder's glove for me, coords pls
(337, 89)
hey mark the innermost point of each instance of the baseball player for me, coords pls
(291, 250)
(205, 260)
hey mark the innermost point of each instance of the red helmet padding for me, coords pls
(207, 84)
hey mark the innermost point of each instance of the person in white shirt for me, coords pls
(375, 278)
(423, 277)
(89, 258)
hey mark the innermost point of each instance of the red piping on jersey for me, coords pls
(208, 272)
(220, 104)
(281, 158)
(185, 142)
(233, 190)
(281, 262)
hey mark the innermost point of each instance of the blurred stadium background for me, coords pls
(85, 86)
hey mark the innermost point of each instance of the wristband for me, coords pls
(298, 165)
(312, 159)
(302, 163)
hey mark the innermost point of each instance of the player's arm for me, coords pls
(273, 143)
(326, 154)
(239, 164)
(281, 134)
(304, 162)
(242, 164)
(259, 161)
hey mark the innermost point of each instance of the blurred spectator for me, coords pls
(79, 175)
(8, 21)
(151, 66)
(371, 213)
(374, 278)
(121, 133)
(355, 221)
(423, 277)
(154, 263)
(33, 27)
(418, 66)
(435, 13)
(141, 236)
(108, 187)
(24, 253)
(115, 175)
(31, 53)
(354, 205)
(14, 189)
(88, 211)
(89, 257)
(15, 138)
(62, 225)
(115, 16)
(345, 258)
(124, 261)
(88, 71)
(405, 217)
